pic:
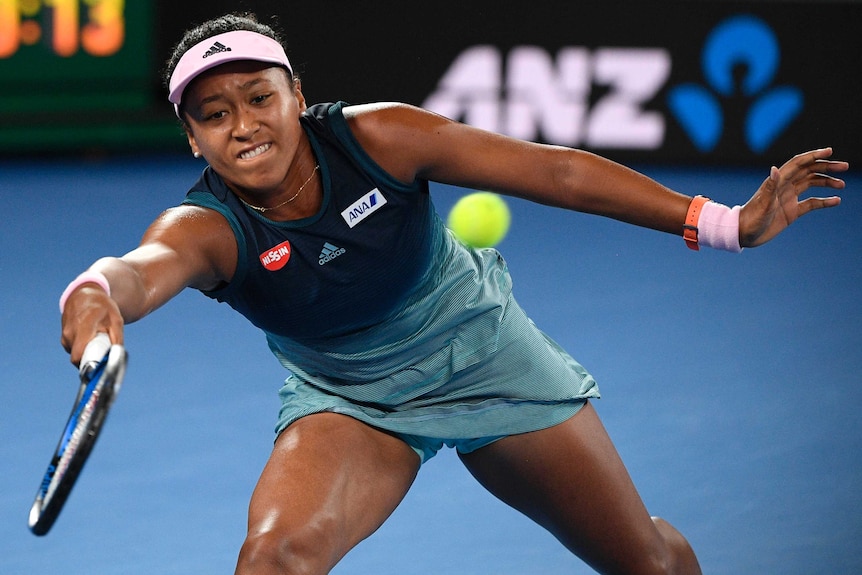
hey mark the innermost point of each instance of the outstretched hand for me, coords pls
(777, 203)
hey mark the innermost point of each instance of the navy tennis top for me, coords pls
(349, 266)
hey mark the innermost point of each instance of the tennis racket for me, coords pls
(101, 371)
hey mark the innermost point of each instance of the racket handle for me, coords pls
(93, 354)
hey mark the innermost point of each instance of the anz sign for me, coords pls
(531, 94)
(539, 97)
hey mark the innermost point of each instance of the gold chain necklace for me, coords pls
(285, 202)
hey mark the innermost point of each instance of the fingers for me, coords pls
(827, 181)
(815, 167)
(777, 203)
(814, 156)
(88, 312)
(811, 204)
(78, 343)
(93, 353)
(818, 161)
(813, 179)
(811, 169)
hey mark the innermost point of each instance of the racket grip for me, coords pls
(93, 354)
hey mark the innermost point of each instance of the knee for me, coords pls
(270, 552)
(674, 557)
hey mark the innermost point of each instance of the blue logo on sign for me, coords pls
(747, 44)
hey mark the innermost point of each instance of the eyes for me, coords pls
(219, 108)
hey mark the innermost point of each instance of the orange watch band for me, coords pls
(689, 229)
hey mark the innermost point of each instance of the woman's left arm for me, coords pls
(410, 142)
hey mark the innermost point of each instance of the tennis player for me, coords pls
(315, 223)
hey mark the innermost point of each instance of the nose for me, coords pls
(246, 123)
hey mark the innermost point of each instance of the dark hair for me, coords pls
(214, 27)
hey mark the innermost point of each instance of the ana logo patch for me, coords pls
(277, 257)
(363, 207)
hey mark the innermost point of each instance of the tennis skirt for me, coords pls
(523, 382)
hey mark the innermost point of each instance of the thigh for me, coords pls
(570, 479)
(330, 482)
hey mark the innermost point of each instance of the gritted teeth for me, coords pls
(255, 152)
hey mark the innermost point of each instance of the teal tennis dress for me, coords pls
(379, 313)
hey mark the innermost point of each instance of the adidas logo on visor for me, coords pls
(216, 48)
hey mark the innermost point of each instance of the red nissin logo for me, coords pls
(277, 257)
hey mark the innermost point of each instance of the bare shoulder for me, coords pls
(393, 121)
(200, 238)
(385, 112)
(411, 142)
(396, 135)
(185, 220)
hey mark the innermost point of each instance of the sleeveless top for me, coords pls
(377, 310)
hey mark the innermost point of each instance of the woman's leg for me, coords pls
(329, 483)
(570, 479)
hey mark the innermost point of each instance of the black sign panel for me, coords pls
(674, 81)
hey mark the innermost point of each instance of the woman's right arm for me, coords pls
(186, 246)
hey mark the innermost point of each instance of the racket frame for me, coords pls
(96, 393)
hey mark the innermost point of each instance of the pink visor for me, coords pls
(216, 50)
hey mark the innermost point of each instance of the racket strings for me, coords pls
(71, 447)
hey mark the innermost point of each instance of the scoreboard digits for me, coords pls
(78, 73)
(63, 27)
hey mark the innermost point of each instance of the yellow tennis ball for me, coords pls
(480, 219)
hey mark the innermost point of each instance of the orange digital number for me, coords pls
(10, 27)
(103, 35)
(64, 36)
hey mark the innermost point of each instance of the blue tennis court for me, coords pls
(731, 386)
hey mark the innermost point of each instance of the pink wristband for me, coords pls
(718, 227)
(88, 277)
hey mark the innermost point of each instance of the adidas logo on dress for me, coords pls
(329, 253)
(216, 48)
